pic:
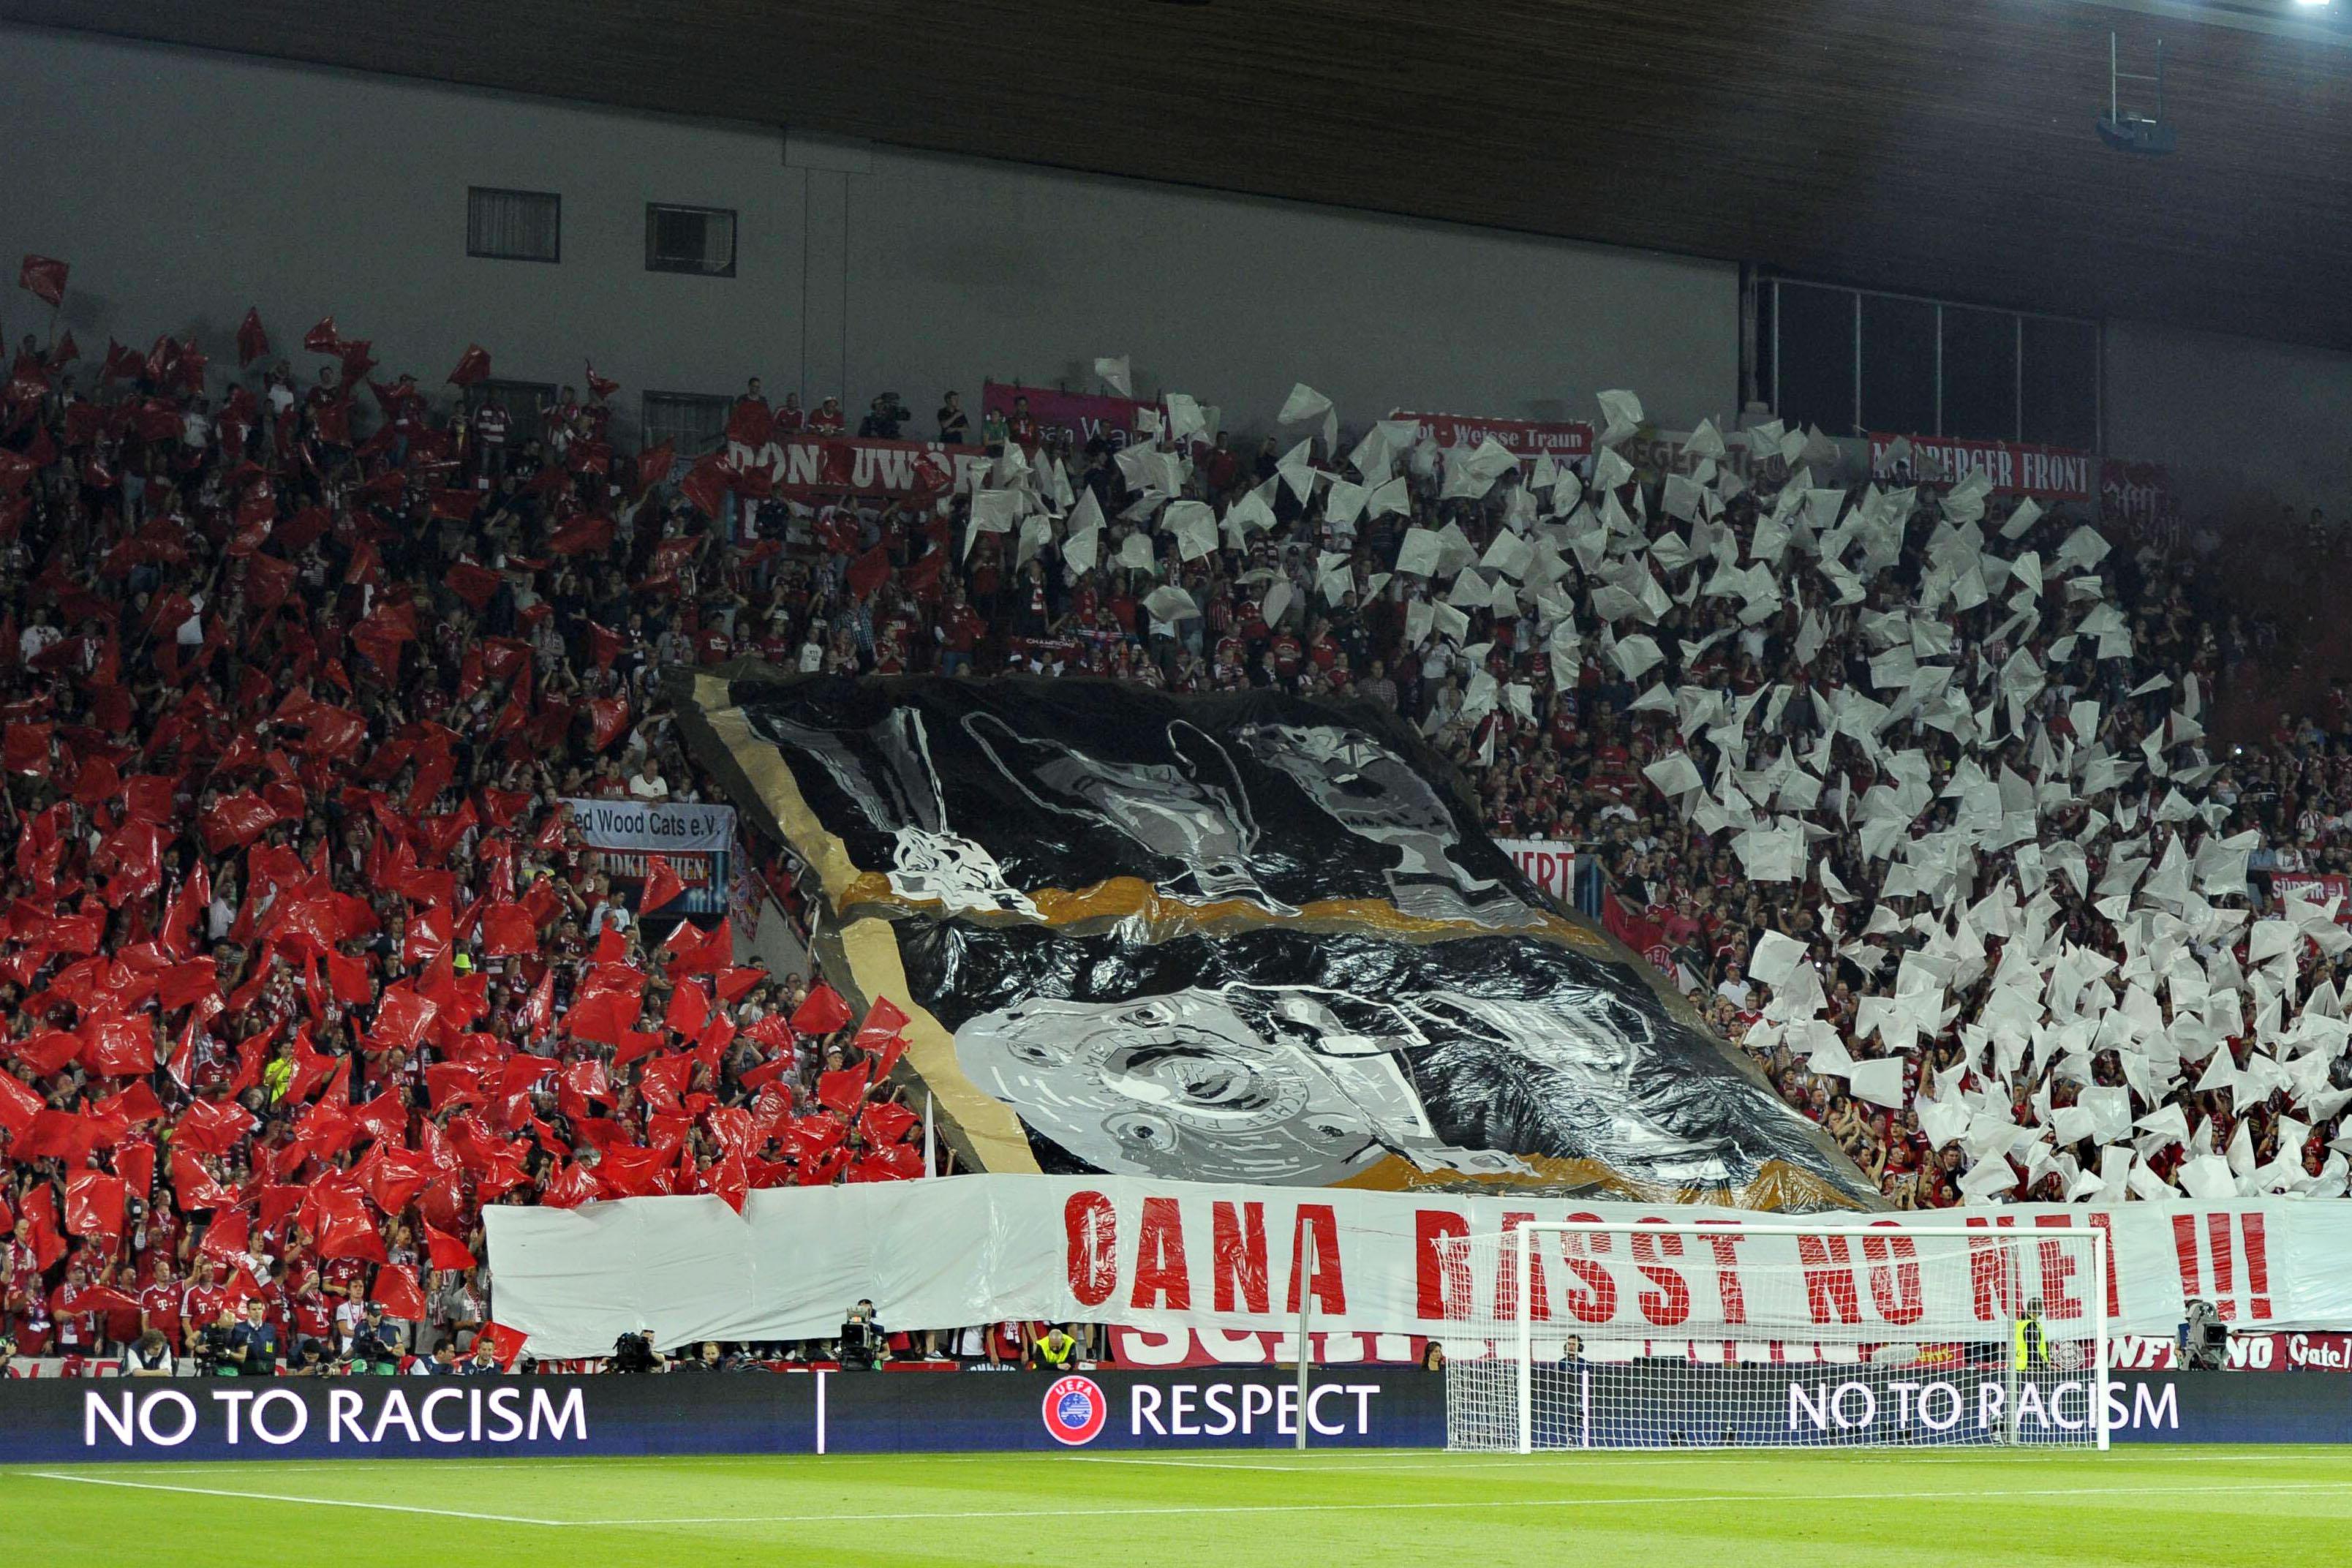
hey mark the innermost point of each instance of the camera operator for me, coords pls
(864, 1340)
(2204, 1340)
(216, 1342)
(635, 1353)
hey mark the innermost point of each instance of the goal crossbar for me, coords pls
(2008, 1368)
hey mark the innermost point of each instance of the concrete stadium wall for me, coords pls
(183, 186)
(2243, 422)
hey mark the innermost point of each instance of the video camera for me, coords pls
(633, 1353)
(863, 1340)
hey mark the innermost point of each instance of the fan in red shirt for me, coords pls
(159, 1304)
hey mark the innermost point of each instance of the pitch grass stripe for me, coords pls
(1645, 1499)
(283, 1496)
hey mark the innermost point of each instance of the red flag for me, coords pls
(582, 536)
(883, 1020)
(601, 385)
(94, 1203)
(841, 1089)
(823, 1013)
(472, 366)
(46, 277)
(195, 1187)
(252, 342)
(445, 1251)
(869, 571)
(324, 338)
(344, 1228)
(689, 1009)
(472, 582)
(608, 721)
(396, 1292)
(18, 1105)
(663, 886)
(505, 1343)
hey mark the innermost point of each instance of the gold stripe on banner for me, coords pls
(1165, 919)
(871, 946)
(1779, 1186)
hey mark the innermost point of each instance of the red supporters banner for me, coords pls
(2316, 886)
(1526, 439)
(2139, 496)
(806, 464)
(1079, 416)
(2015, 467)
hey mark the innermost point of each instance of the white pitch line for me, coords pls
(282, 1497)
(1641, 1500)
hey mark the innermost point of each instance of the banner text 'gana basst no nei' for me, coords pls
(1173, 1256)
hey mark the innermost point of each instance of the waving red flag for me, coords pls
(46, 277)
(94, 1203)
(396, 1292)
(473, 367)
(823, 1013)
(193, 1186)
(252, 342)
(445, 1251)
(345, 1229)
(663, 886)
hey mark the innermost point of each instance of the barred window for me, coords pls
(699, 240)
(514, 225)
(692, 423)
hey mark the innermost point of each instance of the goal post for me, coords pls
(1732, 1333)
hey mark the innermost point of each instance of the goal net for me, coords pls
(1736, 1334)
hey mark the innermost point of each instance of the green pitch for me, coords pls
(2168, 1508)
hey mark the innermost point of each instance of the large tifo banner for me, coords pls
(698, 841)
(817, 465)
(1241, 938)
(1175, 1256)
(1548, 863)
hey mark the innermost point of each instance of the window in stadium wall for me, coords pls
(699, 240)
(1898, 363)
(1813, 379)
(1854, 360)
(1980, 375)
(691, 422)
(514, 225)
(522, 400)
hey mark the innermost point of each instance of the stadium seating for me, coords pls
(308, 963)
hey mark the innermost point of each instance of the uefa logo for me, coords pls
(1075, 1410)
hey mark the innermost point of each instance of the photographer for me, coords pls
(378, 1342)
(864, 1340)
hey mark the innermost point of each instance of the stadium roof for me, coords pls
(1944, 148)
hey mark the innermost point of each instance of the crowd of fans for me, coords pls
(305, 964)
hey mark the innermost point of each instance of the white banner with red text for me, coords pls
(1174, 1256)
